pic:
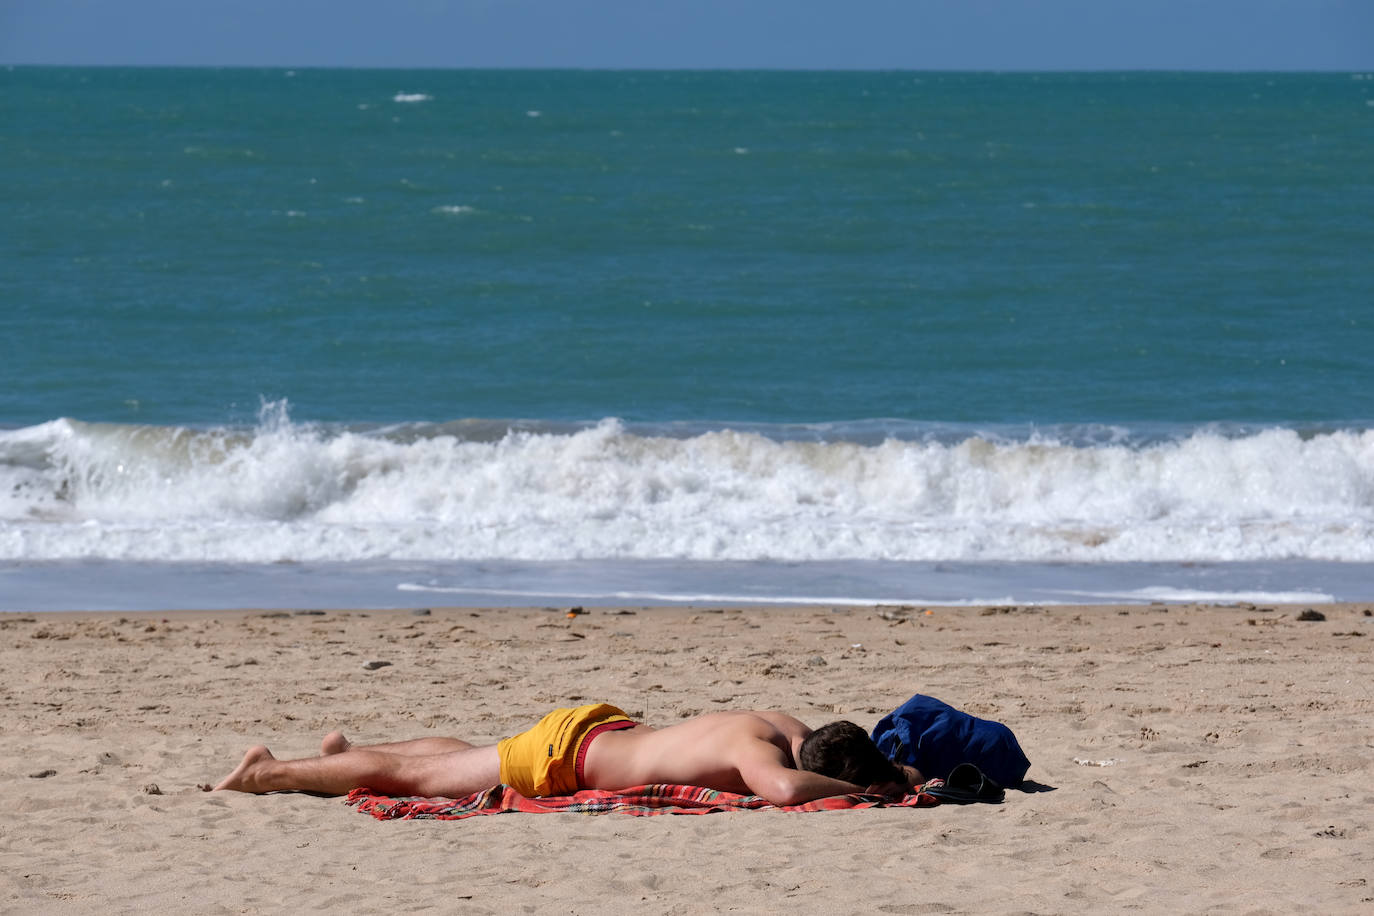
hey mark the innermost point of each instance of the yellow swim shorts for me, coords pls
(547, 759)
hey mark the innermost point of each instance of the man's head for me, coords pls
(842, 750)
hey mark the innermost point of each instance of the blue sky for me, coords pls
(808, 34)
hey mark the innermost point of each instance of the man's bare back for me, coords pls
(731, 751)
(750, 752)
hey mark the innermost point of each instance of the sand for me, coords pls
(1185, 759)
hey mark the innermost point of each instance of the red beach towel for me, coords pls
(640, 801)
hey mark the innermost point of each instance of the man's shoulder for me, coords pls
(779, 731)
(788, 725)
(735, 726)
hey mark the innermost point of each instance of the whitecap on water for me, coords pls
(286, 491)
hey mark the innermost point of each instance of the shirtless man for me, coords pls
(599, 747)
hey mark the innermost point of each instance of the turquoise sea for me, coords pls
(387, 338)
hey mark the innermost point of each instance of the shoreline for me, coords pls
(1184, 757)
(131, 586)
(890, 612)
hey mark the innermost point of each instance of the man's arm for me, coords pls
(764, 770)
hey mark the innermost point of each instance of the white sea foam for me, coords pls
(453, 209)
(655, 597)
(1172, 595)
(411, 97)
(287, 491)
(521, 596)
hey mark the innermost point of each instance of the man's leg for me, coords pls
(452, 774)
(336, 743)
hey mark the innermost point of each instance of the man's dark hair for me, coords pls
(842, 750)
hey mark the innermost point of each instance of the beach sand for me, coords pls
(1184, 759)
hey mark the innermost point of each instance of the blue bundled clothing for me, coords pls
(934, 737)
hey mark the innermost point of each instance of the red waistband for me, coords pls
(595, 730)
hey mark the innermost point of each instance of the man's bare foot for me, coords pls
(246, 776)
(334, 743)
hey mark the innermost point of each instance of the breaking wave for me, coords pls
(287, 491)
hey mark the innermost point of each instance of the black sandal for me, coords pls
(966, 785)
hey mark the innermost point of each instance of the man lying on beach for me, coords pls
(599, 747)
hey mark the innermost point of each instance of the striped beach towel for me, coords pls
(640, 801)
